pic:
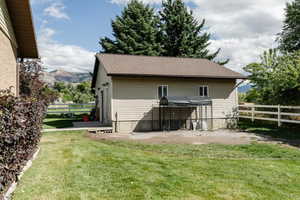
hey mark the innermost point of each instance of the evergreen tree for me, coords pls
(290, 36)
(183, 35)
(136, 32)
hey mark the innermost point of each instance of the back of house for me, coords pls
(17, 40)
(129, 92)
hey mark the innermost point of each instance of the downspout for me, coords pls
(19, 62)
(236, 86)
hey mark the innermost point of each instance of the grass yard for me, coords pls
(70, 166)
(287, 131)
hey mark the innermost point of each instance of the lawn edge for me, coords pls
(11, 189)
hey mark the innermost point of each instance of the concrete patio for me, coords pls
(222, 136)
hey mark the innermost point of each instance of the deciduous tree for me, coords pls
(276, 78)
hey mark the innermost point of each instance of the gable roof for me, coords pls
(129, 65)
(21, 18)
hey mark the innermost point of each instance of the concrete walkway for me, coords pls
(89, 128)
(68, 129)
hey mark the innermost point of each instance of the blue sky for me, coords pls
(84, 23)
(68, 31)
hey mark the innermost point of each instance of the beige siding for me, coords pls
(104, 84)
(8, 65)
(5, 23)
(135, 98)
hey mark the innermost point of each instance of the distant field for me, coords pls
(70, 108)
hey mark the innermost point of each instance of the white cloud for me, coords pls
(145, 1)
(242, 51)
(56, 10)
(60, 56)
(243, 29)
(56, 55)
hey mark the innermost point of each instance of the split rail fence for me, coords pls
(276, 113)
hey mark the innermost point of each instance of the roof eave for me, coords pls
(95, 74)
(21, 18)
(177, 76)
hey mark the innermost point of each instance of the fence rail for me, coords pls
(276, 114)
(70, 108)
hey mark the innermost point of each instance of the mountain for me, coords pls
(244, 88)
(64, 76)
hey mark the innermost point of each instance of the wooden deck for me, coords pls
(94, 127)
(101, 130)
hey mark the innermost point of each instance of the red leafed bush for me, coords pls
(21, 121)
(20, 132)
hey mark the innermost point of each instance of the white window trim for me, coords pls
(203, 87)
(157, 94)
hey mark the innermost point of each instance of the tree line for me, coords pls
(276, 77)
(173, 31)
(76, 93)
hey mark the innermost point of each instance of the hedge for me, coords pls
(20, 133)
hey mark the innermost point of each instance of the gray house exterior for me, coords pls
(129, 89)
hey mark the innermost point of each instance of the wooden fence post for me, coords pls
(279, 116)
(252, 113)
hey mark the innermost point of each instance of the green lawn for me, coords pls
(70, 166)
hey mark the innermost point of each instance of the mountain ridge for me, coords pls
(60, 75)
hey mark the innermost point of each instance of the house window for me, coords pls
(203, 91)
(162, 91)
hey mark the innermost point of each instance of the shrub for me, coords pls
(31, 85)
(21, 121)
(20, 132)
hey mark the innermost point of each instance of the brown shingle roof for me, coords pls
(20, 14)
(130, 65)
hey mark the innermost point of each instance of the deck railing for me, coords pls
(70, 108)
(276, 113)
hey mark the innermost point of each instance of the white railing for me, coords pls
(276, 114)
(70, 108)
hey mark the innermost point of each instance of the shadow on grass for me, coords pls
(288, 133)
(59, 121)
(59, 124)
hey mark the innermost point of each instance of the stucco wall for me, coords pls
(8, 66)
(135, 99)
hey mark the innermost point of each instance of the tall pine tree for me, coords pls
(290, 36)
(135, 32)
(183, 35)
